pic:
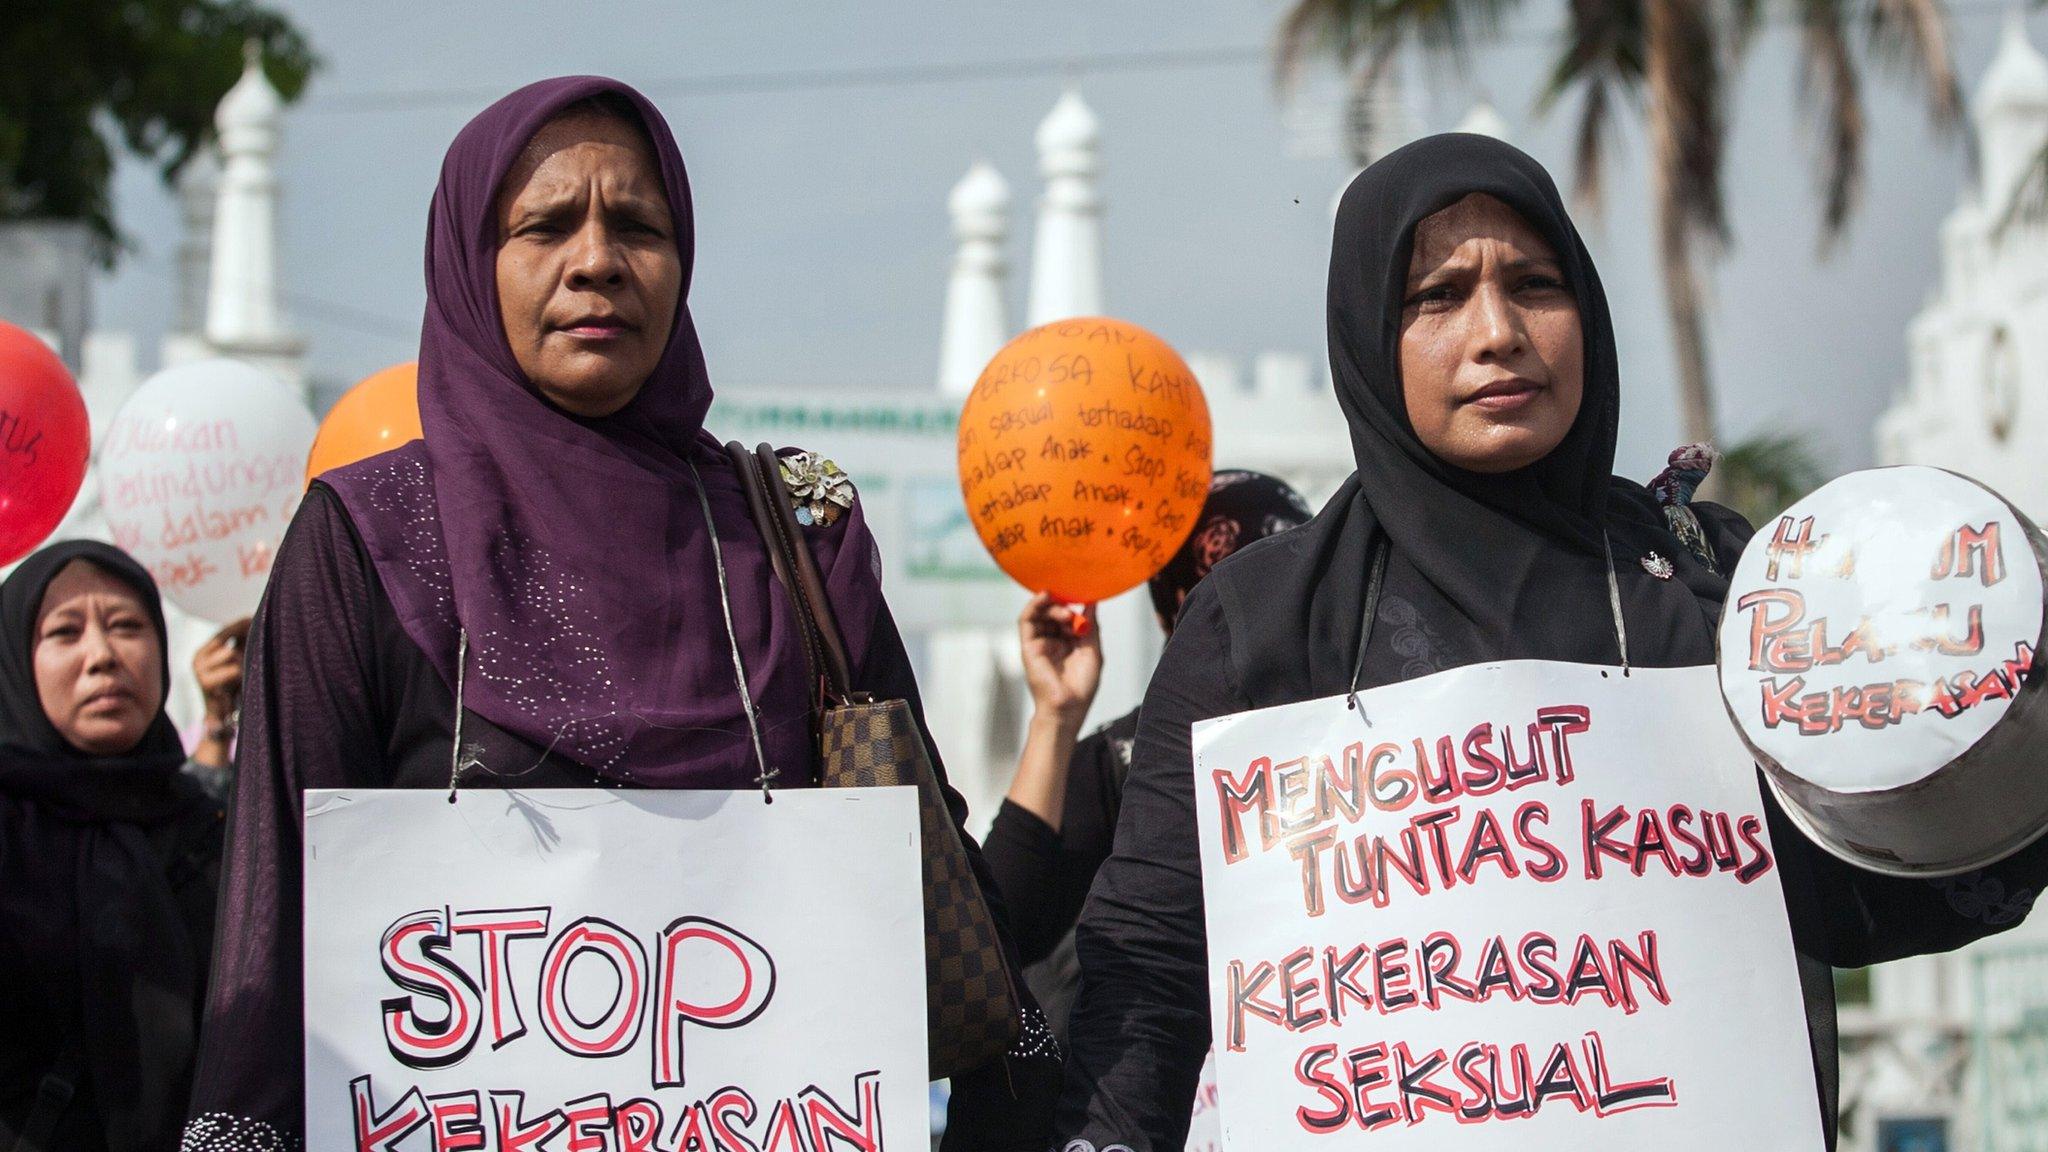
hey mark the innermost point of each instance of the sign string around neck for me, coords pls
(1378, 576)
(739, 668)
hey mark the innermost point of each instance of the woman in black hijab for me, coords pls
(109, 855)
(1474, 361)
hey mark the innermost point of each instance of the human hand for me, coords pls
(1062, 658)
(217, 667)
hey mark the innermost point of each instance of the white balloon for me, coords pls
(199, 475)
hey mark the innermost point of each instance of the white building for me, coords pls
(1961, 1040)
(1977, 397)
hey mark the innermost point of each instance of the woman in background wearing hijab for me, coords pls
(109, 856)
(1055, 827)
(540, 566)
(1475, 363)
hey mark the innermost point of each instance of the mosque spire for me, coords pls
(1066, 253)
(977, 320)
(243, 313)
(2011, 112)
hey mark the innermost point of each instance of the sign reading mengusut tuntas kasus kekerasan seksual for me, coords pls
(1528, 906)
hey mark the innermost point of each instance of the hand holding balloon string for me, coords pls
(1063, 668)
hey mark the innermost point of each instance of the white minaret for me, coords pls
(1066, 252)
(243, 317)
(198, 191)
(198, 194)
(2011, 113)
(1483, 120)
(977, 320)
(971, 701)
(1066, 280)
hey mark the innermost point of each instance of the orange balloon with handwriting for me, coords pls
(1084, 457)
(375, 416)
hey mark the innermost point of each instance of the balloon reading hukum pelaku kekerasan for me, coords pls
(1877, 653)
(1084, 455)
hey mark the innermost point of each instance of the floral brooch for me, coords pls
(819, 490)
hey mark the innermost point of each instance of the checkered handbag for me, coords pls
(972, 1008)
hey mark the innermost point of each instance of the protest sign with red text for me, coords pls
(593, 970)
(1521, 906)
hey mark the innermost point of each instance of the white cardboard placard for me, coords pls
(711, 968)
(1655, 1004)
(1879, 627)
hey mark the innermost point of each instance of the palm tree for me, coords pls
(1670, 58)
(1765, 474)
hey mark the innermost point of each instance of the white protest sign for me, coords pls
(592, 970)
(1880, 628)
(1526, 906)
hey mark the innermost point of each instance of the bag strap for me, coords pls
(768, 501)
(809, 586)
(759, 499)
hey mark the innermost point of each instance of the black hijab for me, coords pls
(34, 757)
(100, 967)
(1489, 567)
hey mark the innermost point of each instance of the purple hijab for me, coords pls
(572, 550)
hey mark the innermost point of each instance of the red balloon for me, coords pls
(44, 442)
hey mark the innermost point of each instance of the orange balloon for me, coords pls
(375, 416)
(1084, 457)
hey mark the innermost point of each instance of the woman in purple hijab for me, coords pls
(543, 556)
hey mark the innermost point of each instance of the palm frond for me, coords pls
(1912, 38)
(1829, 82)
(1603, 42)
(1313, 28)
(1682, 75)
(1602, 55)
(1589, 148)
(1372, 30)
(1762, 475)
(1746, 18)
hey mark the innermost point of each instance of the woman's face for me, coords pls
(1492, 359)
(98, 661)
(588, 274)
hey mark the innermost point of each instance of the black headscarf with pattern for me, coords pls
(1500, 566)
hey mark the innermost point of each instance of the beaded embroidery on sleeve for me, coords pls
(220, 1132)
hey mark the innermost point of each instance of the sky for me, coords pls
(823, 242)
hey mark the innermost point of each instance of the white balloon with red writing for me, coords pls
(200, 473)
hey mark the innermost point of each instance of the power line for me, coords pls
(334, 312)
(829, 79)
(951, 72)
